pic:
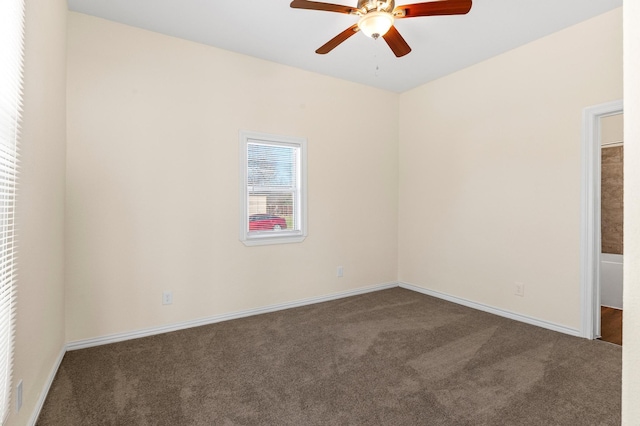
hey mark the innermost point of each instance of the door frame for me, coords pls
(590, 238)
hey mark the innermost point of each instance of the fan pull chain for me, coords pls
(375, 58)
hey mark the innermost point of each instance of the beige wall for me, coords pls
(152, 180)
(631, 347)
(40, 334)
(612, 129)
(490, 172)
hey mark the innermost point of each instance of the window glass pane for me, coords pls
(272, 187)
(271, 166)
(272, 211)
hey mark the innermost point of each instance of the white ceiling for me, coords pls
(271, 30)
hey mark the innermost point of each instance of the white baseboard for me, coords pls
(490, 309)
(45, 390)
(135, 334)
(119, 337)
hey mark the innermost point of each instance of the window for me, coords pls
(11, 39)
(273, 189)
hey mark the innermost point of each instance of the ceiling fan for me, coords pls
(377, 18)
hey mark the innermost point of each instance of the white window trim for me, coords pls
(256, 239)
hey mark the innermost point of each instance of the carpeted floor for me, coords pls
(392, 357)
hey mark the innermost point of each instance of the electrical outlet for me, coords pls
(340, 271)
(19, 396)
(167, 298)
(519, 289)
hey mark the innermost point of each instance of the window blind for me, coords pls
(11, 51)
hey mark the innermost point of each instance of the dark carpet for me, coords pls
(392, 357)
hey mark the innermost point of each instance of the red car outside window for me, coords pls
(266, 222)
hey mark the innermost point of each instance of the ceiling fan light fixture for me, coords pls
(375, 24)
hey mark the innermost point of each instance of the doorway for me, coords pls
(611, 227)
(591, 239)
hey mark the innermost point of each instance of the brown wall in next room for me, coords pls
(612, 190)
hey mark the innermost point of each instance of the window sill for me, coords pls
(271, 240)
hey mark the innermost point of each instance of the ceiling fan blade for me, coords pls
(314, 5)
(396, 42)
(334, 42)
(442, 7)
